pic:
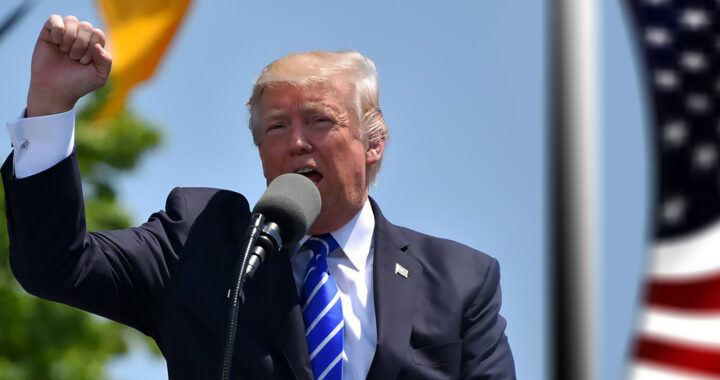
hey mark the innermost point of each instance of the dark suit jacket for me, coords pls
(169, 277)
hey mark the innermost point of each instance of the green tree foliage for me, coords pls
(46, 340)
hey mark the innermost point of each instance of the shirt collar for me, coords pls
(355, 237)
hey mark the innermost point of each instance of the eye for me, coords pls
(323, 121)
(273, 127)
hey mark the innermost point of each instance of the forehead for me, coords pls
(327, 94)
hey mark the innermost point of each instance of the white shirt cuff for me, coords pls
(41, 142)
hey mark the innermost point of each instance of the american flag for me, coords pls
(679, 327)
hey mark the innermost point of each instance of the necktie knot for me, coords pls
(321, 244)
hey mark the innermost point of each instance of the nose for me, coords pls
(299, 143)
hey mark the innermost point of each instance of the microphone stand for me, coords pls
(263, 239)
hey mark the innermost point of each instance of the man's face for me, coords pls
(312, 131)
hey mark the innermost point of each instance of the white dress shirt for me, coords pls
(352, 268)
(39, 143)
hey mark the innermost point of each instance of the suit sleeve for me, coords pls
(116, 274)
(485, 350)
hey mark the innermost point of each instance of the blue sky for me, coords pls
(463, 90)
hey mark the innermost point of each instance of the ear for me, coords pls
(374, 152)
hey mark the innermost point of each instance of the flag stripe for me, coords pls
(693, 255)
(649, 371)
(687, 357)
(685, 327)
(690, 294)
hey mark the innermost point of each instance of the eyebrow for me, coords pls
(274, 114)
(319, 106)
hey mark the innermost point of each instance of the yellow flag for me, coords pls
(139, 32)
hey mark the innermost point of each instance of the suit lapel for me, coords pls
(394, 297)
(286, 314)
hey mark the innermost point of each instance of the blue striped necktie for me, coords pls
(322, 311)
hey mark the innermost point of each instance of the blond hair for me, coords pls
(304, 69)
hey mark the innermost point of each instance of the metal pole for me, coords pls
(573, 158)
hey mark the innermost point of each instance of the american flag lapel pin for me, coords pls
(399, 269)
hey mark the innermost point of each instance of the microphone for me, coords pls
(284, 214)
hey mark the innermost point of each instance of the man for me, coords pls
(410, 306)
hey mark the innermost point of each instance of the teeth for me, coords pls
(305, 170)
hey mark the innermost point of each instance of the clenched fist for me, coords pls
(68, 62)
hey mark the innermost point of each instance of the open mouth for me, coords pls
(311, 174)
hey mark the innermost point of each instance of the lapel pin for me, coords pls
(399, 269)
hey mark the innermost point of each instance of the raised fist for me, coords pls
(68, 62)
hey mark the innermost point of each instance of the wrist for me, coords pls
(43, 101)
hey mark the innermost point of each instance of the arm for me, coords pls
(116, 274)
(485, 350)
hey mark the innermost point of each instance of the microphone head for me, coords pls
(292, 201)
